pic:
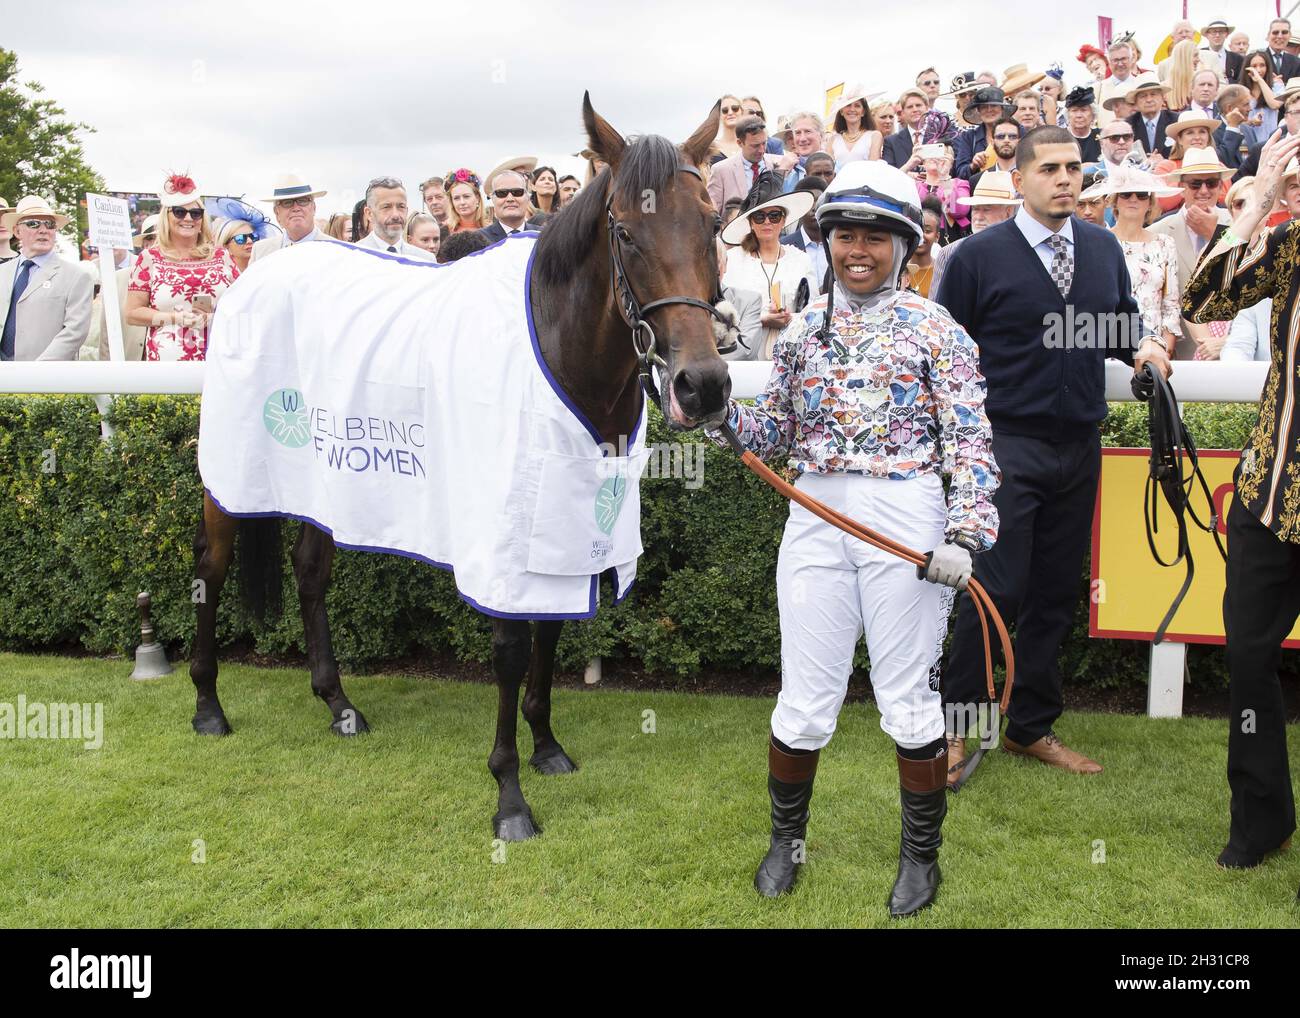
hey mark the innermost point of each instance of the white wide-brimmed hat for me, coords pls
(766, 194)
(290, 185)
(1126, 179)
(1145, 82)
(32, 205)
(519, 164)
(994, 187)
(150, 227)
(179, 189)
(1019, 77)
(851, 94)
(1200, 162)
(1219, 23)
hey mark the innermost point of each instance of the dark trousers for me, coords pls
(1045, 505)
(1260, 605)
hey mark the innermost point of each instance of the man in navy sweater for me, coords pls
(1047, 298)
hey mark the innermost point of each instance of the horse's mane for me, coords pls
(648, 163)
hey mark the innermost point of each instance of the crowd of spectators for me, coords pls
(1164, 149)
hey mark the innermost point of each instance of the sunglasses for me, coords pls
(243, 238)
(1007, 137)
(301, 203)
(731, 109)
(930, 82)
(1201, 185)
(770, 216)
(180, 213)
(1119, 137)
(37, 224)
(514, 192)
(1139, 195)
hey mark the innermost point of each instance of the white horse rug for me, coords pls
(404, 407)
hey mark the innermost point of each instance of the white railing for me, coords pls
(1194, 381)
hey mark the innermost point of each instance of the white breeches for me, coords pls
(831, 588)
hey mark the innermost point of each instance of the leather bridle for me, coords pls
(644, 342)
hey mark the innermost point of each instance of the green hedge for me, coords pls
(85, 524)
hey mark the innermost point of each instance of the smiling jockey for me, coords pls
(875, 394)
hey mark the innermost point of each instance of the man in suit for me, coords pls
(44, 300)
(1282, 62)
(294, 204)
(509, 191)
(1195, 226)
(807, 236)
(734, 176)
(1150, 119)
(1215, 54)
(1120, 83)
(806, 134)
(386, 200)
(897, 149)
(1018, 289)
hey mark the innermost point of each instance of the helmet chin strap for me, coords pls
(867, 300)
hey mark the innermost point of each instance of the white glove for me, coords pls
(950, 564)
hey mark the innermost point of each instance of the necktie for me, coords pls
(7, 339)
(391, 249)
(1151, 137)
(754, 178)
(1062, 264)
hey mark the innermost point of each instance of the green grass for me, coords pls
(303, 828)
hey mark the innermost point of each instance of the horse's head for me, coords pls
(664, 262)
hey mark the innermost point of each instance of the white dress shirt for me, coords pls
(375, 242)
(1036, 234)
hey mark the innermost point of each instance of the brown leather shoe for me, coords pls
(1054, 752)
(956, 757)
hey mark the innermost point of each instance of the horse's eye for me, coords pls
(623, 235)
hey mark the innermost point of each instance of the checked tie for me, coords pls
(1062, 264)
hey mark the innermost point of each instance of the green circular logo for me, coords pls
(609, 502)
(285, 417)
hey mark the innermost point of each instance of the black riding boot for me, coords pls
(923, 789)
(790, 784)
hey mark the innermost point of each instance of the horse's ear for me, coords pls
(606, 142)
(696, 147)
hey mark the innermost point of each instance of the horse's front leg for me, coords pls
(511, 640)
(313, 561)
(548, 755)
(214, 547)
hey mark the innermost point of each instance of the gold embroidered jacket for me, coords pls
(1232, 277)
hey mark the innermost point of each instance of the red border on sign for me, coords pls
(1094, 568)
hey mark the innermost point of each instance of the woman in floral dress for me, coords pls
(1152, 258)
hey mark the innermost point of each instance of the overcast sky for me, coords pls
(339, 92)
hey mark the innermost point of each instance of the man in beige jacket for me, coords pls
(44, 299)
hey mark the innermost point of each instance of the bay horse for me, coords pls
(633, 248)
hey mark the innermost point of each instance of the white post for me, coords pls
(110, 230)
(1165, 688)
(592, 675)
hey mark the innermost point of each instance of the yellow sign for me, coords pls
(832, 94)
(1131, 591)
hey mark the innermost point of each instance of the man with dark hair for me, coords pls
(1018, 288)
(735, 175)
(1006, 136)
(807, 236)
(899, 147)
(1281, 62)
(820, 164)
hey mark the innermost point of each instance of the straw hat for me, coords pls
(1292, 88)
(520, 164)
(148, 230)
(1019, 77)
(993, 188)
(766, 194)
(290, 185)
(1201, 162)
(32, 205)
(853, 93)
(1219, 23)
(1112, 96)
(1125, 179)
(1186, 119)
(5, 206)
(1145, 82)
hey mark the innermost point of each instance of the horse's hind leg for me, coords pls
(548, 755)
(511, 639)
(214, 547)
(313, 560)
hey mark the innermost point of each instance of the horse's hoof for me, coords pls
(211, 724)
(555, 762)
(353, 722)
(516, 827)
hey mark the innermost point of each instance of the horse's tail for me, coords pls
(261, 566)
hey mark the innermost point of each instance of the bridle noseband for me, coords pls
(634, 312)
